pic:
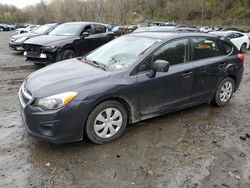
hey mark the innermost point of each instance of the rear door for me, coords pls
(209, 67)
(168, 90)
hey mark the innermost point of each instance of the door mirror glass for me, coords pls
(85, 34)
(158, 66)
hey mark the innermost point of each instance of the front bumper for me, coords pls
(59, 126)
(16, 47)
(63, 125)
(40, 57)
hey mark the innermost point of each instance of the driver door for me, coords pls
(86, 44)
(167, 90)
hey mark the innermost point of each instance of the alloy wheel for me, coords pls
(226, 91)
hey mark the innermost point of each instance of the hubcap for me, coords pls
(108, 122)
(226, 91)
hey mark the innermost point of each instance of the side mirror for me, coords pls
(158, 66)
(85, 34)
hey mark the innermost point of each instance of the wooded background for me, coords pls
(195, 12)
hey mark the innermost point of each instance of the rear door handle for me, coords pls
(187, 74)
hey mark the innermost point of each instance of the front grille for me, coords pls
(25, 96)
(32, 48)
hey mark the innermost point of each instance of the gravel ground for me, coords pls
(203, 146)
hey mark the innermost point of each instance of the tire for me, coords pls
(99, 123)
(243, 48)
(224, 92)
(68, 54)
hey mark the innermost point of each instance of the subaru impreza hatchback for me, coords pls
(132, 78)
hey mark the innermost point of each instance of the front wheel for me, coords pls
(106, 122)
(224, 92)
(68, 54)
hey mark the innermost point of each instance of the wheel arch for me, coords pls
(125, 103)
(61, 51)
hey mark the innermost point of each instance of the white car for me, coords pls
(240, 40)
(27, 29)
(206, 29)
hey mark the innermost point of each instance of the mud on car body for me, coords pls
(67, 41)
(132, 78)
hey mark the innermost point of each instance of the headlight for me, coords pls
(55, 101)
(49, 48)
(22, 39)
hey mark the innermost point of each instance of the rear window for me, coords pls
(205, 48)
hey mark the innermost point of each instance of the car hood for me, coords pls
(68, 75)
(47, 40)
(28, 35)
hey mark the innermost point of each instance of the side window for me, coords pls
(237, 35)
(225, 48)
(88, 29)
(204, 48)
(175, 52)
(99, 29)
(230, 35)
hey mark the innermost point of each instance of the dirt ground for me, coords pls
(203, 146)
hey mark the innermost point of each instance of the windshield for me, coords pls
(42, 29)
(66, 30)
(121, 53)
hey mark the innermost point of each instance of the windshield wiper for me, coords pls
(96, 64)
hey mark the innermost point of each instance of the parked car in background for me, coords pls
(5, 27)
(12, 27)
(155, 29)
(240, 40)
(206, 29)
(20, 25)
(132, 78)
(166, 29)
(16, 41)
(27, 29)
(120, 30)
(66, 41)
(187, 28)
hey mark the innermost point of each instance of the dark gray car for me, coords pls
(132, 78)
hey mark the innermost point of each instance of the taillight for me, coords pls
(241, 57)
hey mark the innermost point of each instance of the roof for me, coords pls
(83, 23)
(166, 35)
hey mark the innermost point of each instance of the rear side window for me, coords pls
(205, 48)
(100, 29)
(225, 48)
(237, 35)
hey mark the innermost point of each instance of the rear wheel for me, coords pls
(243, 48)
(224, 92)
(68, 54)
(106, 122)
